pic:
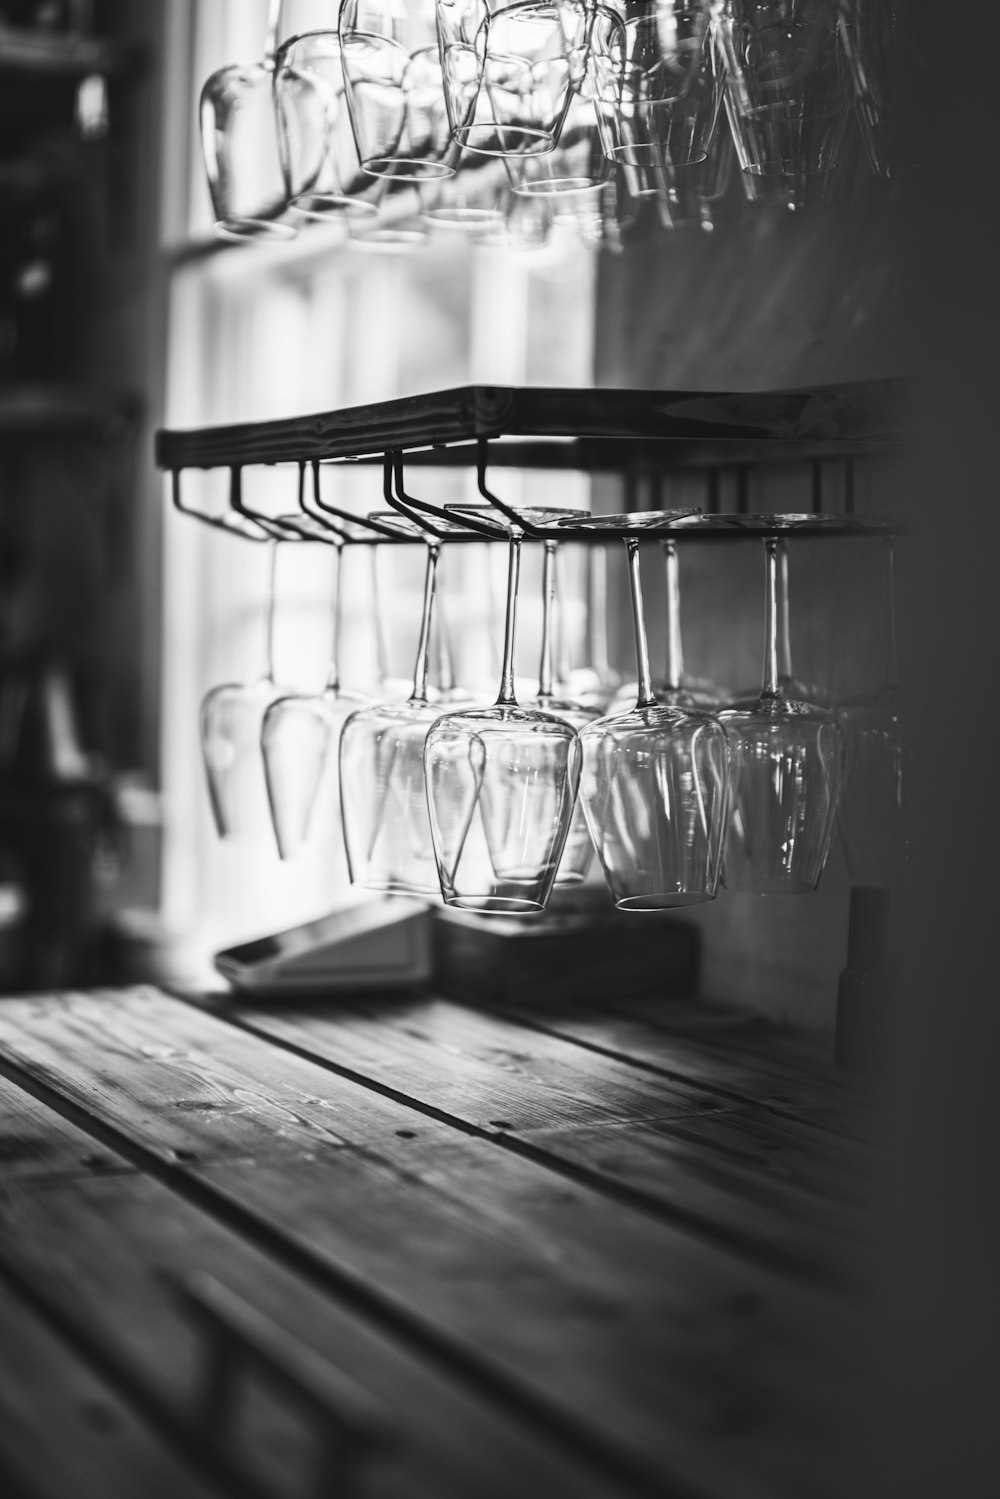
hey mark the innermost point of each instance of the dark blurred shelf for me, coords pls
(64, 55)
(30, 412)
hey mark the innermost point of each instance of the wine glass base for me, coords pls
(661, 901)
(495, 905)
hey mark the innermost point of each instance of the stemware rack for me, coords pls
(638, 435)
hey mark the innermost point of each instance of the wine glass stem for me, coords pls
(272, 577)
(892, 656)
(769, 687)
(333, 672)
(784, 618)
(675, 649)
(548, 590)
(507, 698)
(419, 694)
(381, 650)
(645, 697)
(597, 612)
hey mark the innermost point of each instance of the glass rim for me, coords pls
(241, 228)
(327, 206)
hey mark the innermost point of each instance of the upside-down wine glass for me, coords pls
(387, 832)
(239, 140)
(299, 737)
(788, 768)
(395, 91)
(501, 787)
(579, 850)
(788, 92)
(506, 74)
(230, 721)
(655, 785)
(319, 155)
(657, 88)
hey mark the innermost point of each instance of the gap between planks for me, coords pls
(815, 1267)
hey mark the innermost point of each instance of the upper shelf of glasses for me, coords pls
(612, 430)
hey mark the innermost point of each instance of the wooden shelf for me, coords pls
(593, 430)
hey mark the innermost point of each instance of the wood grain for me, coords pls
(755, 1175)
(535, 1289)
(36, 1142)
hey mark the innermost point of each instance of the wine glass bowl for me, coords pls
(655, 784)
(515, 772)
(240, 151)
(655, 792)
(230, 721)
(299, 737)
(383, 798)
(319, 157)
(506, 74)
(395, 91)
(788, 764)
(788, 770)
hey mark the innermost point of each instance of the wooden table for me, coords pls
(407, 1247)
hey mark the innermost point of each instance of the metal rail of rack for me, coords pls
(640, 435)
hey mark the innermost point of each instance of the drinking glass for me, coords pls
(872, 808)
(299, 737)
(576, 165)
(239, 140)
(469, 200)
(550, 698)
(788, 768)
(877, 40)
(387, 833)
(230, 721)
(506, 74)
(501, 787)
(696, 192)
(660, 105)
(395, 92)
(656, 780)
(524, 225)
(319, 157)
(788, 91)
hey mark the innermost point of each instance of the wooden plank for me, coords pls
(740, 1056)
(755, 1175)
(648, 1347)
(35, 1141)
(65, 1432)
(97, 1254)
(468, 413)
